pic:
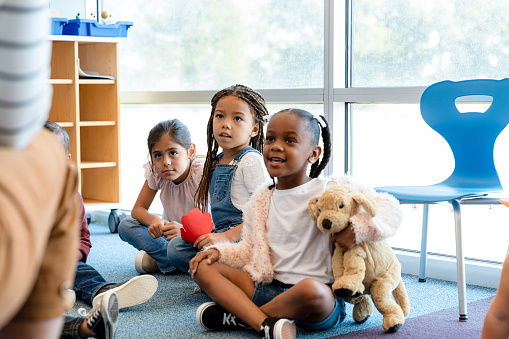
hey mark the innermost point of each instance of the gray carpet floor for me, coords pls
(170, 313)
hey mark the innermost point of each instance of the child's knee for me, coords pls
(202, 271)
(315, 294)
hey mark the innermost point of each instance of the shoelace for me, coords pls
(266, 330)
(91, 316)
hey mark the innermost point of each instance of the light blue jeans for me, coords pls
(133, 232)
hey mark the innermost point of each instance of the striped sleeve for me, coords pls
(25, 52)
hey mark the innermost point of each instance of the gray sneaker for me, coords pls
(103, 317)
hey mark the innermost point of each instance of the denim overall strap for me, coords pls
(224, 213)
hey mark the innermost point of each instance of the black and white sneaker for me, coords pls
(276, 328)
(211, 316)
(103, 318)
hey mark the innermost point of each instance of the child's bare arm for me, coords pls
(345, 239)
(496, 323)
(140, 211)
(208, 239)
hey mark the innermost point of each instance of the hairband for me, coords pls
(320, 120)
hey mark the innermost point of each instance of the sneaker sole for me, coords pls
(109, 311)
(285, 329)
(71, 298)
(199, 312)
(138, 263)
(134, 292)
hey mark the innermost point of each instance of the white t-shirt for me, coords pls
(288, 223)
(250, 174)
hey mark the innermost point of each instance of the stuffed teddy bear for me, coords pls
(369, 268)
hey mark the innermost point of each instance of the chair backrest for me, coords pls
(471, 136)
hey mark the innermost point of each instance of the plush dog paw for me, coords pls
(392, 323)
(362, 310)
(343, 293)
(394, 328)
(345, 288)
(361, 321)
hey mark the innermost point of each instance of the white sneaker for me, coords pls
(132, 292)
(144, 263)
(276, 328)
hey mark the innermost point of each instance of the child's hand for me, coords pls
(345, 239)
(211, 255)
(171, 229)
(209, 239)
(156, 228)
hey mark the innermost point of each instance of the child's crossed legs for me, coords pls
(309, 301)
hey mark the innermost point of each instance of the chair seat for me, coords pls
(434, 193)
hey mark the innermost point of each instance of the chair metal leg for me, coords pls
(460, 261)
(424, 244)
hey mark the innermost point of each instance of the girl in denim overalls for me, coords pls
(230, 177)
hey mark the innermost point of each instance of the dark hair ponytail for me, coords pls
(317, 167)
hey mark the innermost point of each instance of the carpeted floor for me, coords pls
(442, 324)
(171, 311)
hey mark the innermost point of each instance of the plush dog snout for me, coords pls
(326, 224)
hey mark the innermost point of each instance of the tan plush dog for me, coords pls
(369, 268)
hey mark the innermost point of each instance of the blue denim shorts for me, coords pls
(264, 293)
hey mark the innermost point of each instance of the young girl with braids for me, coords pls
(279, 275)
(230, 177)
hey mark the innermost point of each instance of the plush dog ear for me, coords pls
(368, 203)
(313, 210)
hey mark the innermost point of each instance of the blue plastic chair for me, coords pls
(471, 137)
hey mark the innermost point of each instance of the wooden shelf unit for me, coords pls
(88, 109)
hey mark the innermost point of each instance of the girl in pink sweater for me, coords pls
(279, 274)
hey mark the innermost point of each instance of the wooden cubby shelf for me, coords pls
(88, 109)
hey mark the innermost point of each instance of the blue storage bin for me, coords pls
(93, 28)
(57, 25)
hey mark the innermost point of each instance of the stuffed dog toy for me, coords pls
(369, 268)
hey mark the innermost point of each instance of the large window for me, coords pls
(201, 45)
(417, 43)
(399, 44)
(362, 63)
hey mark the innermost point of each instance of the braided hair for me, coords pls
(258, 109)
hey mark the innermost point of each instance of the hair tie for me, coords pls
(320, 120)
(267, 117)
